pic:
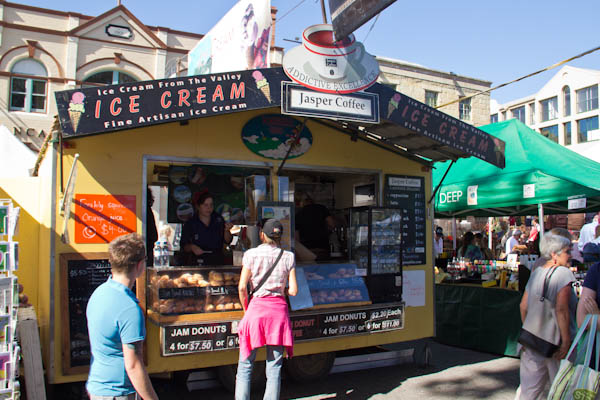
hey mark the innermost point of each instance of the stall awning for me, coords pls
(538, 171)
(407, 127)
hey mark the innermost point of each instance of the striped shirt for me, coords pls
(259, 260)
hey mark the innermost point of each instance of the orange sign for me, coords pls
(100, 218)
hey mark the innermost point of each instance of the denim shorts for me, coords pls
(130, 396)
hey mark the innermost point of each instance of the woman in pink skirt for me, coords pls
(266, 320)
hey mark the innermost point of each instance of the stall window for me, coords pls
(493, 118)
(549, 109)
(587, 129)
(108, 78)
(519, 113)
(551, 132)
(587, 99)
(567, 101)
(431, 98)
(567, 127)
(28, 93)
(464, 110)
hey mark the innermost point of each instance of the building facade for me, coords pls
(436, 88)
(44, 50)
(565, 110)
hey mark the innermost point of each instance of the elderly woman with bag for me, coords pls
(266, 320)
(548, 313)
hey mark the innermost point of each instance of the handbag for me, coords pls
(540, 331)
(577, 380)
(251, 290)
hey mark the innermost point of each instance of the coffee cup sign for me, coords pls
(327, 66)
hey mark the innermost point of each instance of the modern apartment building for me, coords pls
(565, 110)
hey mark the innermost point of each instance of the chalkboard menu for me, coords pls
(408, 193)
(81, 274)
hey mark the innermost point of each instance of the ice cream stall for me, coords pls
(138, 151)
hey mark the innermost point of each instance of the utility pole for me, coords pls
(323, 11)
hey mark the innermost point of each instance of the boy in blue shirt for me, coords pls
(117, 329)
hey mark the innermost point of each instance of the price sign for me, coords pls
(211, 336)
(102, 218)
(408, 192)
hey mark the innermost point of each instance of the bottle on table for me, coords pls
(157, 254)
(165, 253)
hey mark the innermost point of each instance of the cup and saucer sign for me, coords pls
(329, 78)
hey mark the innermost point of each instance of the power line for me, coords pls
(585, 53)
(292, 9)
(371, 28)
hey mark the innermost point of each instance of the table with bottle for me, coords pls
(477, 306)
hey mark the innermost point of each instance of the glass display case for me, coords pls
(184, 290)
(333, 284)
(375, 245)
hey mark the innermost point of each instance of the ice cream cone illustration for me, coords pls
(262, 84)
(393, 104)
(76, 109)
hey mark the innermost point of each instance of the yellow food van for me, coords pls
(177, 137)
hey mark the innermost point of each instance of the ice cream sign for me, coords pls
(87, 111)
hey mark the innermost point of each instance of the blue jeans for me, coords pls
(273, 372)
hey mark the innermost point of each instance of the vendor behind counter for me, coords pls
(313, 226)
(204, 235)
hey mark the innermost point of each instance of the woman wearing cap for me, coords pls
(266, 320)
(203, 236)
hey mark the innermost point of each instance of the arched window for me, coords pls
(26, 92)
(567, 101)
(107, 78)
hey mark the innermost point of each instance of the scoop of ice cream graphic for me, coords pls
(76, 109)
(393, 104)
(262, 84)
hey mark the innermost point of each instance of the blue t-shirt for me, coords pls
(592, 280)
(114, 318)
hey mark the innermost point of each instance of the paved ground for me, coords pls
(454, 374)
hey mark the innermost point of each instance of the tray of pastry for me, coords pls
(335, 283)
(193, 291)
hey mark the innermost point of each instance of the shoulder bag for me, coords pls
(540, 330)
(251, 291)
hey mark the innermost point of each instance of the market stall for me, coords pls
(226, 133)
(539, 175)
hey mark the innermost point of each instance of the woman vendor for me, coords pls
(204, 235)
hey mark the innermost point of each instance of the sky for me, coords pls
(496, 41)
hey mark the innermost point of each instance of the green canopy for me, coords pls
(537, 170)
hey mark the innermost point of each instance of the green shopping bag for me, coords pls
(575, 380)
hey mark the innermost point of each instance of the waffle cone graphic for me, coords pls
(75, 118)
(266, 90)
(391, 109)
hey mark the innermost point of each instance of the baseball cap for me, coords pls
(517, 232)
(439, 230)
(273, 228)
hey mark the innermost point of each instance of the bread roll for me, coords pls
(209, 308)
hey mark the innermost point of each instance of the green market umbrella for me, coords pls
(538, 171)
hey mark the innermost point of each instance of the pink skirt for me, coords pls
(266, 322)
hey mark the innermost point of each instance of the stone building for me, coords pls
(435, 88)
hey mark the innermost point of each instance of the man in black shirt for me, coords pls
(313, 225)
